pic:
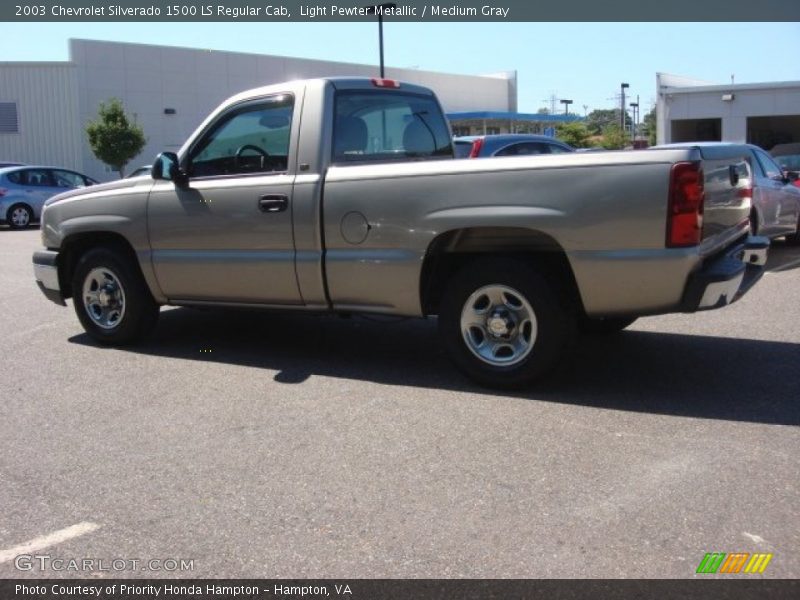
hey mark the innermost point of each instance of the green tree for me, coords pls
(576, 134)
(649, 127)
(599, 119)
(614, 138)
(113, 138)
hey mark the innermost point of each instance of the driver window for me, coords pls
(249, 139)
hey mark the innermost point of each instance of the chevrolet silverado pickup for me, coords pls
(343, 195)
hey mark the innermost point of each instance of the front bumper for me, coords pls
(725, 278)
(45, 269)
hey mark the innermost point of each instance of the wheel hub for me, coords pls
(500, 324)
(104, 298)
(108, 295)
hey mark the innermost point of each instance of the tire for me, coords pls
(19, 216)
(794, 239)
(502, 324)
(111, 298)
(753, 222)
(604, 325)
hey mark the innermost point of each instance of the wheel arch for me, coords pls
(77, 244)
(452, 250)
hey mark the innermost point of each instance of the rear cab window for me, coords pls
(386, 126)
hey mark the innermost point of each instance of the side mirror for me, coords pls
(166, 167)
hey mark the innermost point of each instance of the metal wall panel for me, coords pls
(46, 96)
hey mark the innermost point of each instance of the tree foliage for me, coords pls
(576, 134)
(599, 119)
(614, 138)
(649, 127)
(113, 138)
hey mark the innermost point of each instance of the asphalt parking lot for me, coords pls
(265, 445)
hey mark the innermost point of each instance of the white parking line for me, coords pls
(45, 541)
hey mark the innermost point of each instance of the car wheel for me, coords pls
(794, 239)
(502, 324)
(19, 216)
(753, 222)
(604, 325)
(111, 298)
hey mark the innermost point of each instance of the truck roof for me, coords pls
(340, 83)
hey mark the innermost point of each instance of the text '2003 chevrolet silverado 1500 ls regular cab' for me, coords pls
(343, 195)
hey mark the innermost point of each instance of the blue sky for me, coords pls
(582, 61)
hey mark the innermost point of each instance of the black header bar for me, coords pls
(404, 10)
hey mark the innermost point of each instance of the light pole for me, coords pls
(635, 124)
(622, 88)
(566, 104)
(378, 9)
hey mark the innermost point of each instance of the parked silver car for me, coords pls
(25, 189)
(776, 201)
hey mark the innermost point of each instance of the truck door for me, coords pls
(227, 235)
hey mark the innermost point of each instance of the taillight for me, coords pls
(385, 83)
(476, 148)
(3, 192)
(686, 195)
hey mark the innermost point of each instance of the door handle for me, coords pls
(273, 203)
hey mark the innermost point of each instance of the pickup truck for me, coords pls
(343, 195)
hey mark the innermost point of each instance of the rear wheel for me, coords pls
(753, 222)
(502, 323)
(111, 299)
(19, 216)
(794, 239)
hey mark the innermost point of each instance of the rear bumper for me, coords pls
(725, 278)
(45, 270)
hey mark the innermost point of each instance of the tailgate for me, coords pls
(728, 197)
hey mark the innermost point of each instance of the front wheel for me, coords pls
(502, 323)
(111, 299)
(19, 216)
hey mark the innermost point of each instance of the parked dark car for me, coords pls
(508, 144)
(24, 190)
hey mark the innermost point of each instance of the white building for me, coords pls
(764, 114)
(44, 107)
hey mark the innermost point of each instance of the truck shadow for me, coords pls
(782, 256)
(662, 373)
